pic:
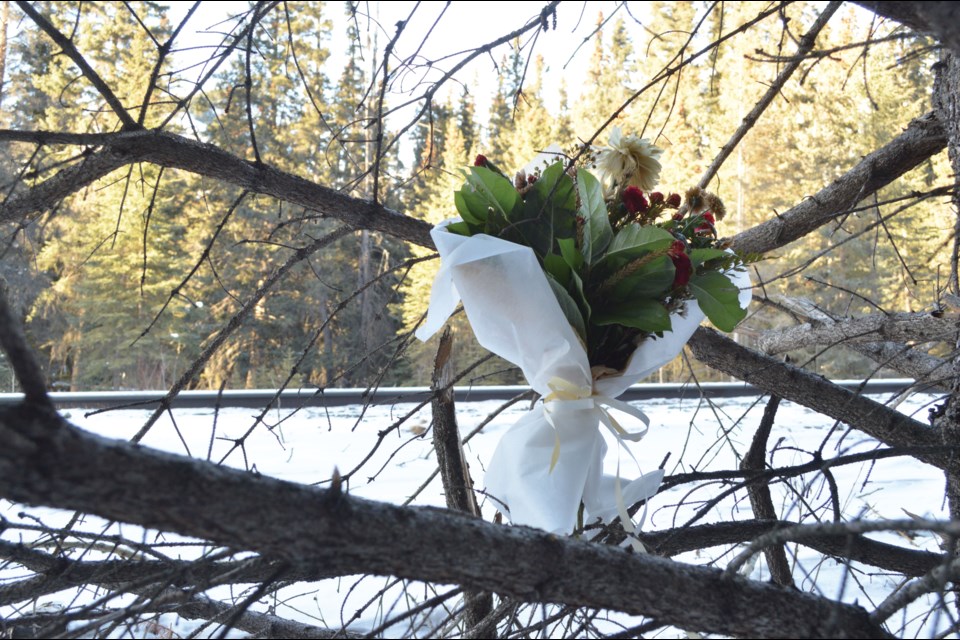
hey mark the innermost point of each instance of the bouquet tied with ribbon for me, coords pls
(588, 284)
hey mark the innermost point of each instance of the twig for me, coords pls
(67, 45)
(806, 44)
(794, 384)
(935, 581)
(759, 492)
(924, 137)
(25, 366)
(234, 323)
(799, 532)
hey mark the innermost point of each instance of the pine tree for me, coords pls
(292, 126)
(112, 251)
(502, 125)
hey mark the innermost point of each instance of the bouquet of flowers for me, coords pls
(588, 284)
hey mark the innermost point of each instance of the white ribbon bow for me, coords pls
(582, 397)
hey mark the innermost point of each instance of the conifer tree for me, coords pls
(115, 249)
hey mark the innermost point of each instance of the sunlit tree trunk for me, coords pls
(4, 18)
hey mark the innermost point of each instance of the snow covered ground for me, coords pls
(385, 453)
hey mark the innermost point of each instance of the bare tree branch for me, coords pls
(806, 44)
(454, 472)
(929, 371)
(924, 137)
(457, 485)
(897, 327)
(858, 547)
(760, 499)
(939, 19)
(794, 384)
(324, 528)
(881, 337)
(25, 366)
(170, 150)
(935, 581)
(800, 532)
(88, 72)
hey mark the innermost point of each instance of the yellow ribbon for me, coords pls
(586, 398)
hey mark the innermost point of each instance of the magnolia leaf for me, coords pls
(495, 190)
(635, 240)
(470, 207)
(569, 307)
(557, 267)
(597, 232)
(718, 298)
(643, 313)
(548, 212)
(699, 256)
(460, 228)
(652, 280)
(580, 297)
(568, 249)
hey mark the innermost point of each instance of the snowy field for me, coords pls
(385, 453)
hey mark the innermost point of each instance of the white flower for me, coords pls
(629, 161)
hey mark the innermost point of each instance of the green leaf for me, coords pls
(699, 256)
(635, 240)
(486, 201)
(719, 299)
(569, 307)
(568, 249)
(470, 207)
(643, 313)
(557, 267)
(548, 212)
(652, 280)
(579, 296)
(597, 232)
(460, 228)
(495, 190)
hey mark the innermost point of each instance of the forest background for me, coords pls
(99, 280)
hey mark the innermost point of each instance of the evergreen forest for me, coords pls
(128, 282)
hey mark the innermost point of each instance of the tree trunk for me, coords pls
(4, 19)
(946, 104)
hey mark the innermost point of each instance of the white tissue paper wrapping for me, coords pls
(514, 313)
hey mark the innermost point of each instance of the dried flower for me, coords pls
(709, 226)
(520, 179)
(630, 161)
(633, 200)
(682, 266)
(714, 204)
(693, 201)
